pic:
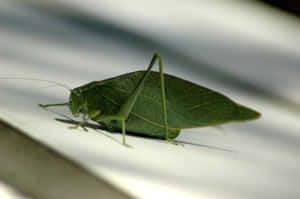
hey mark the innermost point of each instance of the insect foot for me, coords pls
(43, 105)
(174, 142)
(127, 145)
(74, 127)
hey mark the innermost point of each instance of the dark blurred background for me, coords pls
(291, 6)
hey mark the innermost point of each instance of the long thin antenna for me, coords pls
(41, 80)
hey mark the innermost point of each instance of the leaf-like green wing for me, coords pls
(188, 105)
(191, 105)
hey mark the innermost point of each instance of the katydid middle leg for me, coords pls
(126, 108)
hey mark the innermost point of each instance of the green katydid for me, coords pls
(153, 104)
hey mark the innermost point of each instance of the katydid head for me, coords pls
(77, 102)
(86, 100)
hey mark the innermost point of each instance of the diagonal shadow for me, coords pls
(97, 127)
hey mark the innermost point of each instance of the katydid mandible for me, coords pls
(153, 104)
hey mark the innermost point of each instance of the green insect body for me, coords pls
(154, 104)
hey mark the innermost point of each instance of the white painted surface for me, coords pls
(251, 54)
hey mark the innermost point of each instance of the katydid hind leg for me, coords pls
(126, 108)
(163, 95)
(124, 133)
(164, 104)
(128, 105)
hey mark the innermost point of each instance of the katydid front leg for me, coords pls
(94, 115)
(47, 105)
(65, 104)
